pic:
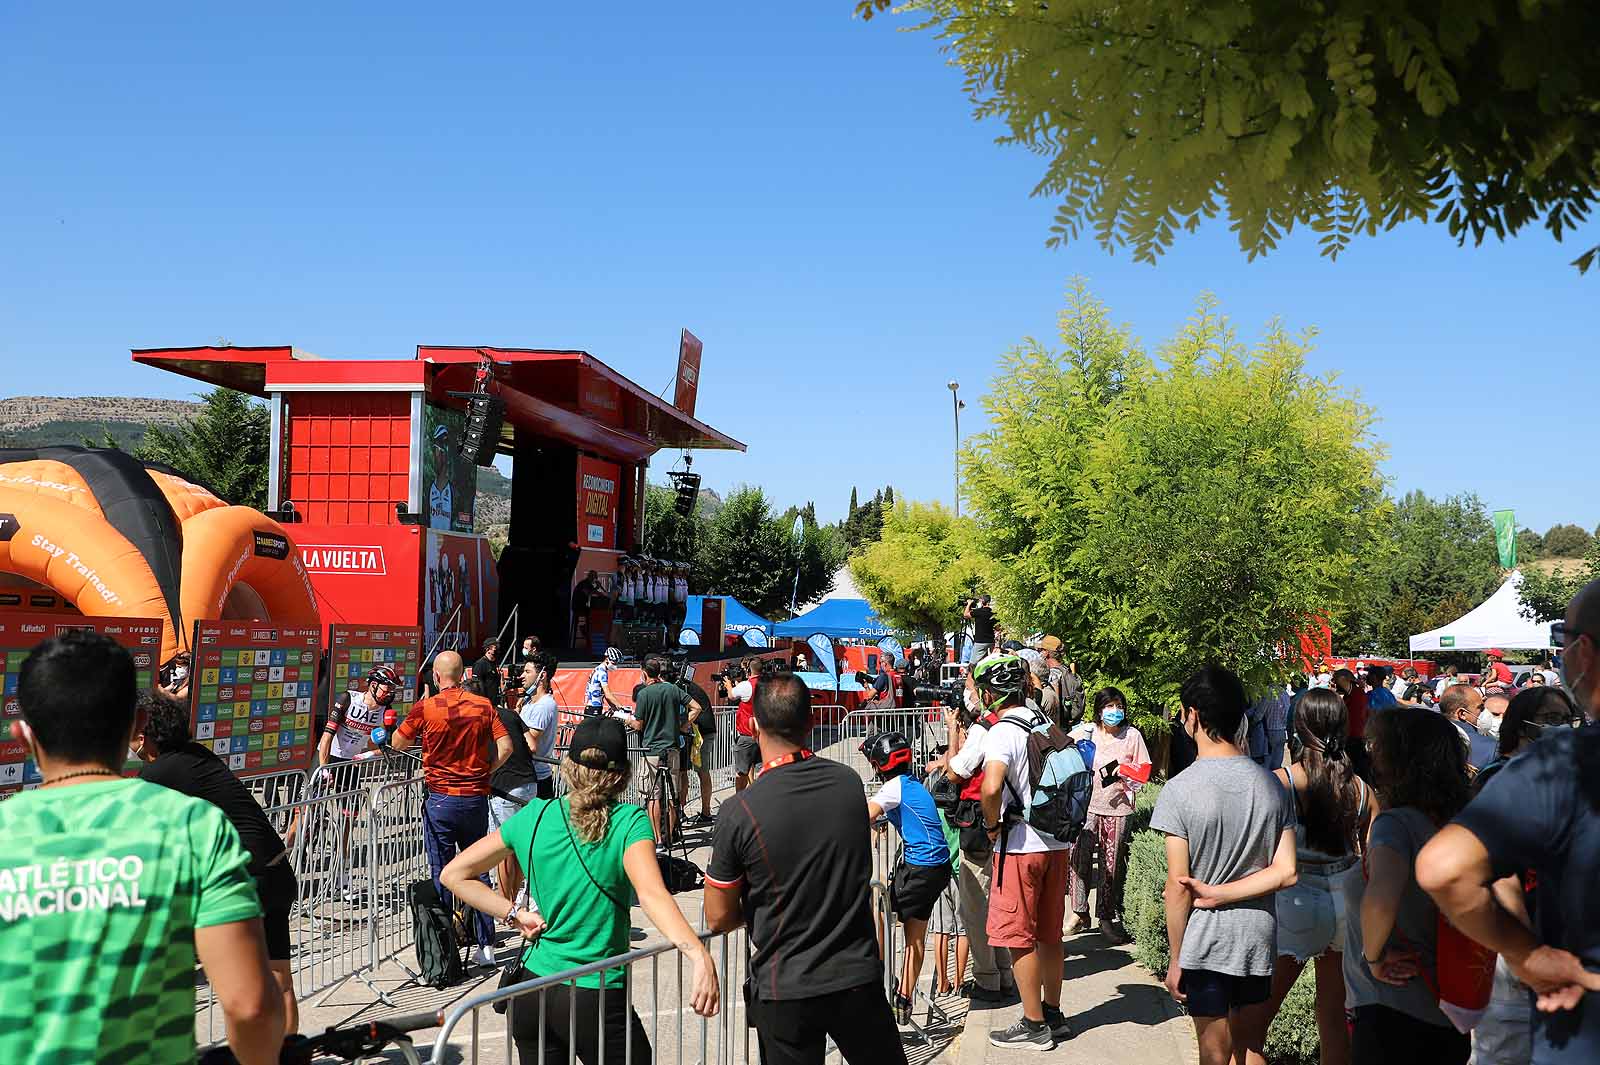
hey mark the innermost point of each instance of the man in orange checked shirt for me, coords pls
(457, 730)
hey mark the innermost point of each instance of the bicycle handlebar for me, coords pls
(350, 1042)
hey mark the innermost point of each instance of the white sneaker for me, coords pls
(483, 957)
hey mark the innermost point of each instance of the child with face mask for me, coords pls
(1116, 744)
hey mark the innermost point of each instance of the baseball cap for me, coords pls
(1495, 652)
(1050, 644)
(606, 734)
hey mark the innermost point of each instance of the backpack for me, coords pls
(438, 955)
(1059, 783)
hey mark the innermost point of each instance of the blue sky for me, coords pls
(807, 192)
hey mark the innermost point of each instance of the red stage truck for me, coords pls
(368, 472)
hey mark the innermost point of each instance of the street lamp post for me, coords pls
(955, 408)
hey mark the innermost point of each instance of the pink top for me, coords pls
(1115, 800)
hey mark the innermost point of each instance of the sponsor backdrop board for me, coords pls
(20, 634)
(599, 493)
(251, 692)
(355, 649)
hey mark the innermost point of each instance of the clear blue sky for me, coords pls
(806, 192)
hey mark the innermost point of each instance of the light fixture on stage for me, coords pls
(687, 485)
(486, 414)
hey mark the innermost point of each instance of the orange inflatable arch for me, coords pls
(116, 537)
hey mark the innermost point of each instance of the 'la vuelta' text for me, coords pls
(70, 887)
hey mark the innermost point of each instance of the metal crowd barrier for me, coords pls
(657, 993)
(923, 726)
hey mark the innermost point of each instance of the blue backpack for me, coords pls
(1059, 783)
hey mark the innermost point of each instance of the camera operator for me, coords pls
(981, 614)
(746, 754)
(706, 725)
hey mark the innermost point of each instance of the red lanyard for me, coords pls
(782, 760)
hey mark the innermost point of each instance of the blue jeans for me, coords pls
(452, 823)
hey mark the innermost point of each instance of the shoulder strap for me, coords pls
(527, 866)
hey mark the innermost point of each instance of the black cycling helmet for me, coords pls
(382, 674)
(887, 751)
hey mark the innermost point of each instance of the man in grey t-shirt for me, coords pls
(1230, 845)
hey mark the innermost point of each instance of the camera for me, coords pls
(950, 694)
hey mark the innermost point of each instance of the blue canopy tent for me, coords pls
(843, 619)
(736, 617)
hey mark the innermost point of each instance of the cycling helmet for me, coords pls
(887, 751)
(1000, 678)
(384, 675)
(613, 655)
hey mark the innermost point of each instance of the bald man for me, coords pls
(458, 729)
(1537, 817)
(1462, 704)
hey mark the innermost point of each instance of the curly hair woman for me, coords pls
(584, 855)
(1390, 960)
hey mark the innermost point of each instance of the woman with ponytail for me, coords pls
(586, 855)
(1333, 809)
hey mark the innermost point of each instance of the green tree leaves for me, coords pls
(926, 563)
(1346, 116)
(1159, 514)
(225, 448)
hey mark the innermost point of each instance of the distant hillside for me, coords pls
(36, 421)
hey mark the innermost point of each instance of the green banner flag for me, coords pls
(1505, 537)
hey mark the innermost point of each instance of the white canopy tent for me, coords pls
(1496, 622)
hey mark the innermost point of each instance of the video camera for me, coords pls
(950, 694)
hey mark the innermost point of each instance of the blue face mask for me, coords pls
(1113, 716)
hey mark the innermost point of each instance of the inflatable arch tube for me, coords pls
(239, 563)
(77, 554)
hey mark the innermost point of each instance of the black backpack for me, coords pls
(432, 929)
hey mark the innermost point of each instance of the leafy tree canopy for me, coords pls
(1431, 561)
(1159, 516)
(916, 575)
(1546, 592)
(1566, 541)
(749, 553)
(1346, 116)
(225, 448)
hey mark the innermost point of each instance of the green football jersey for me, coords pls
(102, 885)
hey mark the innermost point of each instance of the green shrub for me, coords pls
(1292, 1039)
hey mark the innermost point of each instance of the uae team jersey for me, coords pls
(102, 886)
(352, 728)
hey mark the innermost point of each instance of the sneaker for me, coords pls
(1060, 1028)
(700, 821)
(483, 957)
(902, 1010)
(986, 997)
(1024, 1035)
(1114, 932)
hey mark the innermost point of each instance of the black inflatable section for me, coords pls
(133, 504)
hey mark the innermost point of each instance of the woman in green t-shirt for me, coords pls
(585, 856)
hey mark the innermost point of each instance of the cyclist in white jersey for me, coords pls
(355, 715)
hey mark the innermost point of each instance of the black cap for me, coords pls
(605, 733)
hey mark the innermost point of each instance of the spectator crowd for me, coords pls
(1429, 847)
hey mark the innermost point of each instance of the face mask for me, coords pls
(1571, 684)
(180, 672)
(1113, 716)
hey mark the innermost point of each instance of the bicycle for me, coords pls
(350, 1043)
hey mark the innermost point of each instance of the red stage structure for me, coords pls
(368, 477)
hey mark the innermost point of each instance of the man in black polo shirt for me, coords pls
(174, 760)
(792, 858)
(486, 671)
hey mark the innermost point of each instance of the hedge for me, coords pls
(1292, 1039)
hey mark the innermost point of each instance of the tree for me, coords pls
(749, 553)
(926, 563)
(225, 448)
(668, 534)
(1545, 593)
(1156, 518)
(1429, 553)
(1530, 545)
(1566, 541)
(1346, 116)
(863, 523)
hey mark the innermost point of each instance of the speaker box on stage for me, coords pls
(481, 438)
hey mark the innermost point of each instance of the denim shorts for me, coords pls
(1311, 915)
(503, 810)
